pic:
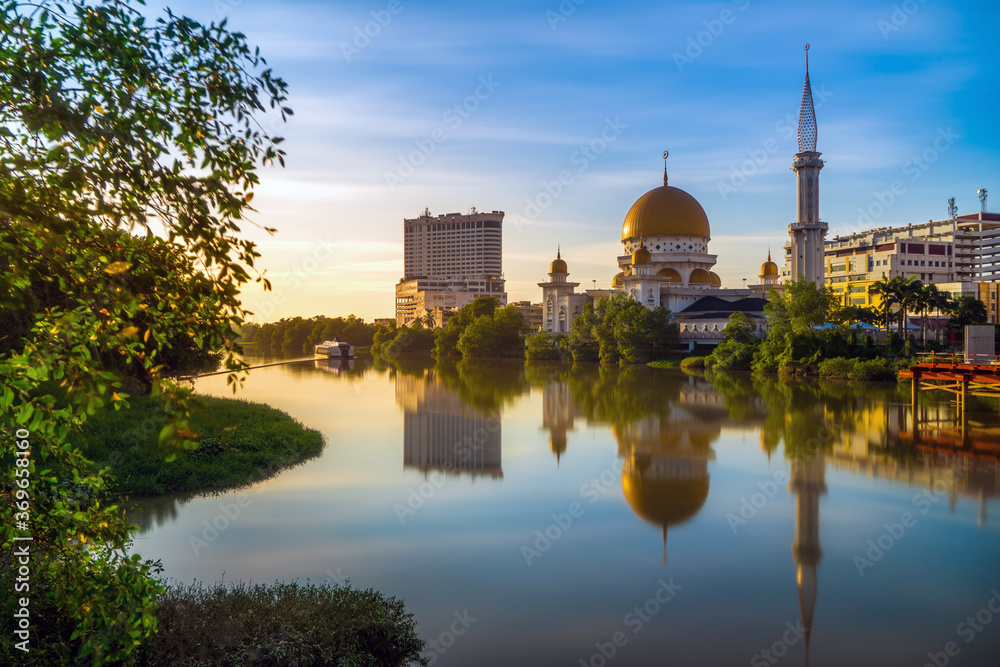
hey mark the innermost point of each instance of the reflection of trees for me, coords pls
(155, 511)
(541, 373)
(805, 413)
(621, 395)
(483, 384)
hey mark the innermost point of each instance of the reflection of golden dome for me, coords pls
(664, 502)
(768, 268)
(618, 280)
(641, 256)
(700, 276)
(716, 280)
(666, 211)
(669, 275)
(558, 265)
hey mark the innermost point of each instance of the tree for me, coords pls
(968, 310)
(739, 344)
(906, 293)
(880, 289)
(623, 330)
(111, 124)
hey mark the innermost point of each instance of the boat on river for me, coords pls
(334, 349)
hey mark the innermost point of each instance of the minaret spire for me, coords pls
(808, 232)
(807, 115)
(665, 154)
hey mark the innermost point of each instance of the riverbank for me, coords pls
(239, 443)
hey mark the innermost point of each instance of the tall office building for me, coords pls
(448, 261)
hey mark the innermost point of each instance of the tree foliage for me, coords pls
(113, 125)
(739, 344)
(624, 331)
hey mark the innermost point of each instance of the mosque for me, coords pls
(665, 258)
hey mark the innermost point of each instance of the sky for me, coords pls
(402, 105)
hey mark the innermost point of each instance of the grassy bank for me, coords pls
(239, 443)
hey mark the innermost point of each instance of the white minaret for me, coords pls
(808, 234)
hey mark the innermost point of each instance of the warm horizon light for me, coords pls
(446, 105)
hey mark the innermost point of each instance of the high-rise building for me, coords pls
(448, 261)
(804, 253)
(953, 254)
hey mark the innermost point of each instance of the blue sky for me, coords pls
(718, 84)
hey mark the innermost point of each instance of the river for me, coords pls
(558, 515)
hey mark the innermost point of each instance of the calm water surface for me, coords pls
(555, 515)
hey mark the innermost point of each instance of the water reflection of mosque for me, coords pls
(665, 476)
(443, 433)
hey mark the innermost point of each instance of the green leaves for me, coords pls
(106, 118)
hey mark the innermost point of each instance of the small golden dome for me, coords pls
(666, 211)
(558, 265)
(641, 256)
(700, 276)
(768, 268)
(618, 280)
(716, 280)
(669, 275)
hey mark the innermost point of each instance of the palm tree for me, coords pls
(924, 302)
(880, 288)
(905, 291)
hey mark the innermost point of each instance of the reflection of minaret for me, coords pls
(808, 482)
(443, 433)
(558, 413)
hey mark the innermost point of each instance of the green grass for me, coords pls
(665, 363)
(239, 443)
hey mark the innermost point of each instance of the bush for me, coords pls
(838, 367)
(281, 624)
(873, 370)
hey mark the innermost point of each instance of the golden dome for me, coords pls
(700, 276)
(641, 256)
(558, 265)
(618, 280)
(716, 280)
(768, 268)
(666, 211)
(663, 502)
(669, 275)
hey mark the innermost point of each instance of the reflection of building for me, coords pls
(448, 261)
(665, 478)
(443, 433)
(559, 411)
(808, 483)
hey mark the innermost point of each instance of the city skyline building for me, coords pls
(448, 261)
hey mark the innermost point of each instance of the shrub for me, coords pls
(281, 624)
(873, 370)
(838, 367)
